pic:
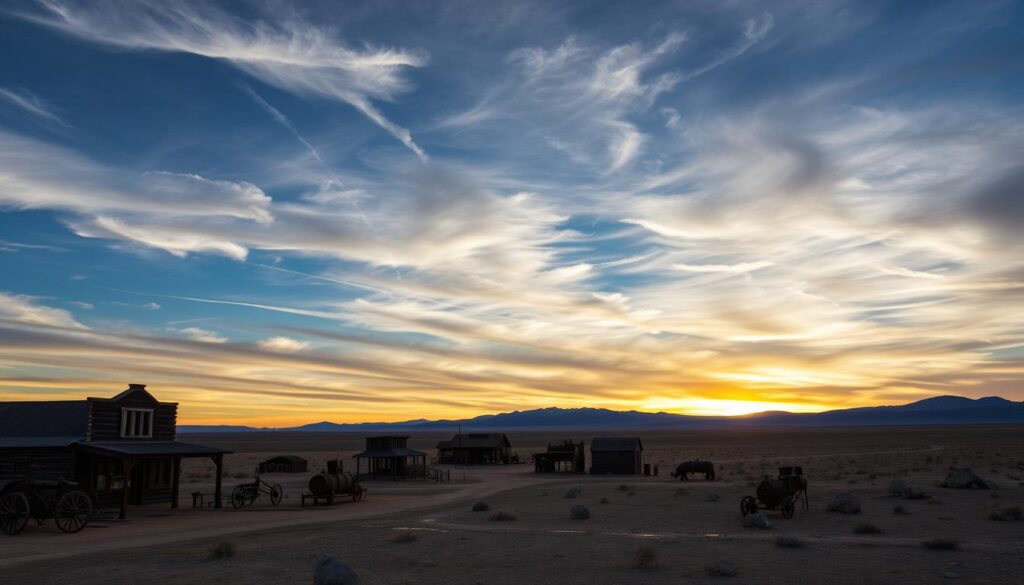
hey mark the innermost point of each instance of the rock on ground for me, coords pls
(722, 569)
(962, 478)
(573, 492)
(579, 512)
(481, 506)
(756, 520)
(845, 503)
(328, 570)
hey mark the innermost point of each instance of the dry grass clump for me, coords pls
(789, 542)
(646, 558)
(504, 516)
(223, 550)
(867, 528)
(481, 506)
(941, 544)
(404, 538)
(1012, 514)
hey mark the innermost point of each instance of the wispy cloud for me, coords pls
(284, 52)
(28, 102)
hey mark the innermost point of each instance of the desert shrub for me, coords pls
(788, 542)
(481, 506)
(1012, 514)
(604, 501)
(579, 512)
(900, 511)
(646, 558)
(404, 538)
(941, 544)
(721, 569)
(625, 487)
(504, 516)
(573, 493)
(223, 550)
(867, 528)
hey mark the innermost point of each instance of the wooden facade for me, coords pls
(121, 450)
(616, 455)
(565, 457)
(389, 456)
(283, 464)
(475, 449)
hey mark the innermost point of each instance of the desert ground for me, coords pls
(640, 530)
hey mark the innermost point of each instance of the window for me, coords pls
(136, 423)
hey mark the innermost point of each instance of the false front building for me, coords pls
(475, 449)
(121, 450)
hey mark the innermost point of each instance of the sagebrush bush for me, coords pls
(404, 538)
(867, 528)
(504, 516)
(223, 550)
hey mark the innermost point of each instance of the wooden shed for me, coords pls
(475, 449)
(616, 455)
(565, 457)
(121, 451)
(389, 456)
(283, 464)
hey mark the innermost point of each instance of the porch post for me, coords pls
(175, 480)
(218, 460)
(126, 465)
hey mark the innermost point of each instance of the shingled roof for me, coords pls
(60, 418)
(476, 441)
(607, 444)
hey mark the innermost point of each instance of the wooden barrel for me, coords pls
(323, 484)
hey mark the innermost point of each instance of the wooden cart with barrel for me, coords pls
(780, 493)
(23, 499)
(333, 484)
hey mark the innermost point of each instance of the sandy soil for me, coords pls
(417, 533)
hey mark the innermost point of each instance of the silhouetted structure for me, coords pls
(122, 450)
(616, 455)
(783, 493)
(475, 449)
(565, 457)
(283, 464)
(389, 456)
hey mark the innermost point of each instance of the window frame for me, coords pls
(130, 421)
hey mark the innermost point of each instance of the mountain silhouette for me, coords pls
(930, 411)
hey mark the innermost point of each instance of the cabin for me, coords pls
(475, 449)
(564, 457)
(121, 450)
(389, 456)
(616, 455)
(283, 464)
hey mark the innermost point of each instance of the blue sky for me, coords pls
(280, 212)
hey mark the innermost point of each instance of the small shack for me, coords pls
(475, 449)
(390, 456)
(122, 450)
(616, 455)
(564, 457)
(283, 464)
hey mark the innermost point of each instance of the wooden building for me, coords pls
(283, 464)
(565, 457)
(475, 449)
(120, 450)
(390, 456)
(616, 455)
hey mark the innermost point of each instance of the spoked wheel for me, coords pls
(13, 513)
(748, 505)
(238, 497)
(276, 494)
(788, 507)
(72, 511)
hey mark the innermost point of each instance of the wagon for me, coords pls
(23, 499)
(246, 493)
(781, 493)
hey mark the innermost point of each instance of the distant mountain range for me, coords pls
(941, 410)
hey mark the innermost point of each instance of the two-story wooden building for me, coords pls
(122, 450)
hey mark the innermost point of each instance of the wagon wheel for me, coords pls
(72, 511)
(13, 513)
(276, 494)
(748, 505)
(357, 493)
(788, 507)
(238, 497)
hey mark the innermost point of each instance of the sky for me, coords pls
(277, 213)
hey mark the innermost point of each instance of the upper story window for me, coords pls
(136, 423)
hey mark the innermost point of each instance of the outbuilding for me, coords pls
(284, 464)
(389, 456)
(616, 455)
(475, 449)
